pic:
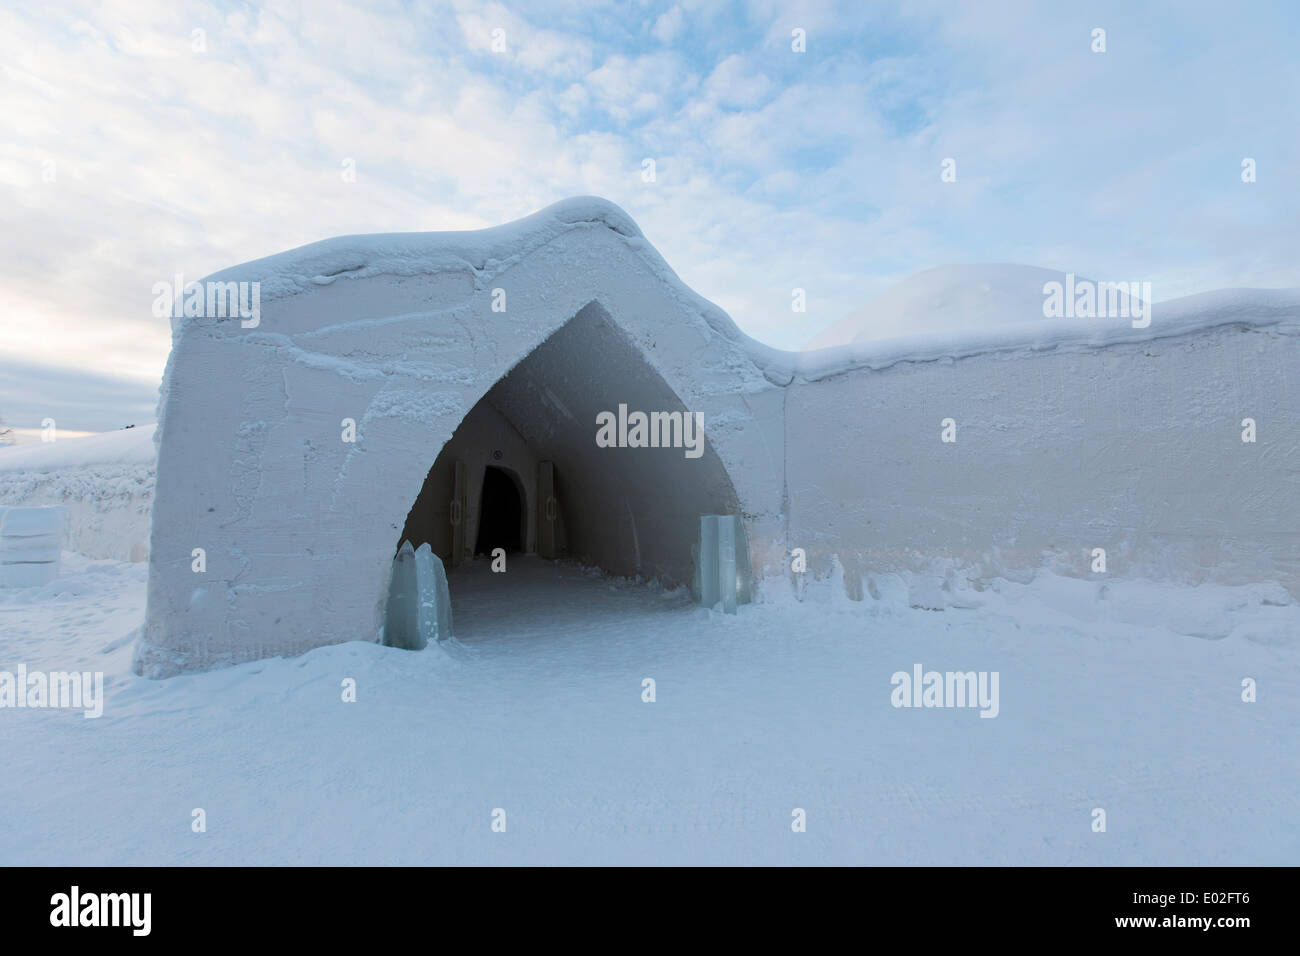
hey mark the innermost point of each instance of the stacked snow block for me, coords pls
(31, 540)
(419, 604)
(722, 571)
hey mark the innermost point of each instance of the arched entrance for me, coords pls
(293, 452)
(500, 513)
(525, 471)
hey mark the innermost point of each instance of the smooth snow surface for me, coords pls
(127, 446)
(1120, 695)
(31, 541)
(952, 300)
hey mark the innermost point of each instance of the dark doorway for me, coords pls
(501, 513)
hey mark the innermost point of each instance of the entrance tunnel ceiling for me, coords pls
(628, 510)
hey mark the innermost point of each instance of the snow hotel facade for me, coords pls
(426, 386)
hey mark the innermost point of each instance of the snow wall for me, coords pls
(500, 347)
(105, 482)
(1132, 448)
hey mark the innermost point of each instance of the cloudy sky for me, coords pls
(133, 148)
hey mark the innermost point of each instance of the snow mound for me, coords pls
(947, 299)
(128, 446)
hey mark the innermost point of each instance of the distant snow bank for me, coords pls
(957, 311)
(1275, 309)
(105, 481)
(127, 446)
(950, 300)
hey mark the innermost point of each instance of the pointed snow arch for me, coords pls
(397, 338)
(631, 511)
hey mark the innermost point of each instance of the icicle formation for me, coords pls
(419, 604)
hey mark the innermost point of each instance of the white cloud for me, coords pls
(668, 24)
(819, 171)
(734, 83)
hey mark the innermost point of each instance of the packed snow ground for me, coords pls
(537, 709)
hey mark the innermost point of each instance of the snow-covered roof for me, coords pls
(488, 252)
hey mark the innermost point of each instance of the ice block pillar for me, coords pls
(419, 604)
(722, 569)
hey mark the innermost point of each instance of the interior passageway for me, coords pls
(630, 511)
